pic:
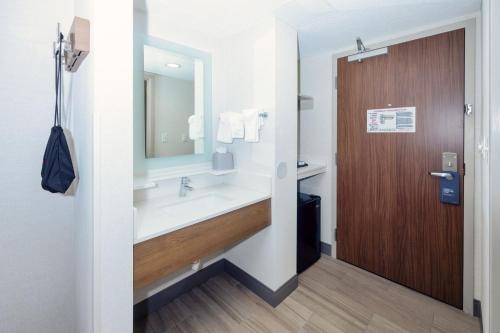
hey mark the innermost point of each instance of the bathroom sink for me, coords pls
(161, 215)
(191, 207)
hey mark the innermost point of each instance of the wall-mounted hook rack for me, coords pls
(76, 45)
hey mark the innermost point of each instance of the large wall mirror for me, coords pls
(175, 103)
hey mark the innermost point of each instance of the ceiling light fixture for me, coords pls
(173, 65)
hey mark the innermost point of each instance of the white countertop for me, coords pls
(310, 170)
(159, 216)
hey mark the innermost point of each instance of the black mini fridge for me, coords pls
(308, 230)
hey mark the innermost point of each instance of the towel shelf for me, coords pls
(155, 177)
(310, 170)
(261, 114)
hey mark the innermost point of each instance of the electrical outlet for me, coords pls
(164, 138)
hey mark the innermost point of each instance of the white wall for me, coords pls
(257, 68)
(244, 77)
(164, 25)
(317, 137)
(37, 280)
(82, 130)
(495, 165)
(286, 128)
(113, 165)
(491, 163)
(48, 240)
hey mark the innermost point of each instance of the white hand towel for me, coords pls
(253, 123)
(224, 133)
(231, 127)
(237, 125)
(196, 127)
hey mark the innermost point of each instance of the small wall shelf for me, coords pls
(154, 177)
(310, 170)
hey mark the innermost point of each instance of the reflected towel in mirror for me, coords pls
(196, 127)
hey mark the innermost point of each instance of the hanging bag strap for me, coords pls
(58, 83)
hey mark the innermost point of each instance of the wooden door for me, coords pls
(390, 220)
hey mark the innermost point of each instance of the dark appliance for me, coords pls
(308, 230)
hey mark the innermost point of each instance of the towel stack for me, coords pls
(233, 125)
(196, 127)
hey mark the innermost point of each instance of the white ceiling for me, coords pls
(337, 28)
(212, 19)
(323, 25)
(155, 61)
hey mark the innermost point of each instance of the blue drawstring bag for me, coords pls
(57, 167)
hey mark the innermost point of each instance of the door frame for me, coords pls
(150, 116)
(472, 218)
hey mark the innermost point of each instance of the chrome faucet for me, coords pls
(184, 186)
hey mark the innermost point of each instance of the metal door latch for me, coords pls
(446, 175)
(468, 109)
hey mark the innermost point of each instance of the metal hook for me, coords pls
(65, 45)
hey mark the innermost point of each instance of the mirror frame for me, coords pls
(141, 163)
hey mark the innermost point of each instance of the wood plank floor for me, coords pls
(332, 297)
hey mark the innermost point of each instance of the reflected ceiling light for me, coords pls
(173, 65)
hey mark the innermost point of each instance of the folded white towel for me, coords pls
(196, 127)
(237, 125)
(253, 124)
(230, 127)
(224, 130)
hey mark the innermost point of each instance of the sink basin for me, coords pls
(164, 214)
(187, 207)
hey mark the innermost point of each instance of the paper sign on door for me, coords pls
(393, 120)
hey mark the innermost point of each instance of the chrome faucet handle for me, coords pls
(184, 186)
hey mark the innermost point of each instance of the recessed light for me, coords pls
(173, 65)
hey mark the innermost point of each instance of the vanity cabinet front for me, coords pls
(163, 255)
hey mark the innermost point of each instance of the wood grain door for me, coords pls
(390, 220)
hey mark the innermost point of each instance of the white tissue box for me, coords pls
(222, 161)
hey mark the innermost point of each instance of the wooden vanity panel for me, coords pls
(162, 255)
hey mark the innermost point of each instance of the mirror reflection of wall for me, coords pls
(173, 91)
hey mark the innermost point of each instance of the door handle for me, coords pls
(446, 175)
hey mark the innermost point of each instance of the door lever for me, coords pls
(446, 175)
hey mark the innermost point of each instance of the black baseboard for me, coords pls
(326, 249)
(274, 298)
(155, 302)
(167, 295)
(478, 312)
